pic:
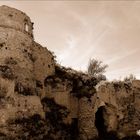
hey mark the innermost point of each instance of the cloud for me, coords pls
(78, 31)
(122, 55)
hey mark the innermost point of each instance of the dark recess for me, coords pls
(102, 129)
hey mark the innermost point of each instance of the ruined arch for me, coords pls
(104, 122)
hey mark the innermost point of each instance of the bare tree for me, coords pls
(96, 68)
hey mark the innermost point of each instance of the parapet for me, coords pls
(15, 19)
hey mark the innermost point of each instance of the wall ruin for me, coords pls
(40, 99)
(22, 69)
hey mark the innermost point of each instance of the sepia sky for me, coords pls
(79, 30)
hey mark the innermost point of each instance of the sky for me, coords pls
(77, 31)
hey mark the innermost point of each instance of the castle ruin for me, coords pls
(42, 100)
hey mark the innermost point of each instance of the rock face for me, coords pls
(41, 100)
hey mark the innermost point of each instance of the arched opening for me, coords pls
(103, 134)
(100, 122)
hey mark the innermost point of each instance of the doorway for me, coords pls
(100, 122)
(103, 134)
(74, 129)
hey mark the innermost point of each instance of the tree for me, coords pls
(129, 78)
(96, 68)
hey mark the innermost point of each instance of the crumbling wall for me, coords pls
(44, 63)
(16, 57)
(30, 68)
(24, 60)
(121, 101)
(44, 66)
(86, 117)
(23, 68)
(15, 105)
(42, 100)
(74, 91)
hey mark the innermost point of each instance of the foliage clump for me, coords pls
(129, 78)
(96, 68)
(81, 84)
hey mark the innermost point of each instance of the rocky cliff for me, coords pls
(41, 100)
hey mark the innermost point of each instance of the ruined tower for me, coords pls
(40, 99)
(14, 19)
(24, 64)
(26, 61)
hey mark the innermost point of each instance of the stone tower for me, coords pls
(15, 19)
(25, 60)
(24, 64)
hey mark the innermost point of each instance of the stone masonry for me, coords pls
(41, 100)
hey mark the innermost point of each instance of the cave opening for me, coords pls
(100, 123)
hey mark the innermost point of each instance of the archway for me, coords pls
(100, 122)
(103, 134)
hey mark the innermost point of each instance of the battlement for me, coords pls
(15, 19)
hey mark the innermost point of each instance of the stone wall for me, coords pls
(24, 65)
(44, 63)
(121, 101)
(40, 99)
(86, 117)
(75, 91)
(24, 60)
